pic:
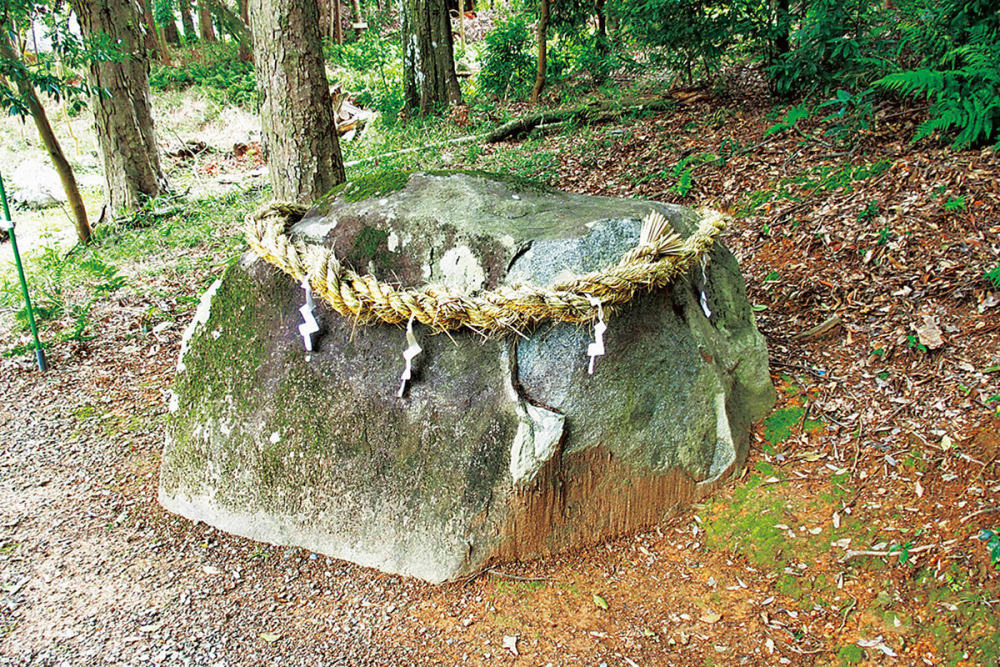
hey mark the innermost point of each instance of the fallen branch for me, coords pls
(985, 510)
(517, 128)
(545, 120)
(827, 325)
(883, 554)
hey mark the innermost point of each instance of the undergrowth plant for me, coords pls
(59, 295)
(215, 69)
(993, 276)
(507, 63)
(992, 540)
(956, 46)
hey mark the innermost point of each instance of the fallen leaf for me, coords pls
(510, 643)
(929, 333)
(919, 490)
(600, 602)
(877, 643)
(270, 637)
(710, 617)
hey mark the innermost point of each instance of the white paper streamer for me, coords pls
(6, 224)
(309, 325)
(704, 299)
(411, 351)
(596, 349)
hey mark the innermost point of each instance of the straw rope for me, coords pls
(659, 258)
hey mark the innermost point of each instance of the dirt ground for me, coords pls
(851, 538)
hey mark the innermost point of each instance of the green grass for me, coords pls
(186, 246)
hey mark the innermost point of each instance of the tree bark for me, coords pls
(782, 42)
(170, 32)
(542, 36)
(187, 21)
(230, 22)
(429, 79)
(245, 54)
(296, 113)
(338, 23)
(159, 34)
(122, 104)
(602, 20)
(150, 34)
(358, 23)
(59, 161)
(205, 22)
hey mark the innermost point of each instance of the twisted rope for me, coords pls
(660, 257)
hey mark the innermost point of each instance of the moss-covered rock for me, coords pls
(499, 449)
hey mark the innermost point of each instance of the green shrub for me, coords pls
(580, 52)
(371, 68)
(993, 276)
(845, 43)
(217, 70)
(507, 64)
(689, 35)
(956, 46)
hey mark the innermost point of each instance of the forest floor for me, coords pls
(851, 537)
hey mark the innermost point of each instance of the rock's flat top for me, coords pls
(426, 227)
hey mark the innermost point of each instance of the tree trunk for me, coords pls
(461, 22)
(230, 23)
(170, 32)
(429, 79)
(150, 34)
(358, 23)
(325, 22)
(122, 115)
(296, 112)
(782, 43)
(245, 54)
(205, 22)
(602, 20)
(187, 21)
(37, 111)
(158, 33)
(338, 24)
(543, 36)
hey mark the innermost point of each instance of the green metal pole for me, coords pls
(8, 223)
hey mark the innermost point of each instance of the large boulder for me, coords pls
(501, 448)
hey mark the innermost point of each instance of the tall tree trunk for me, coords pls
(245, 44)
(150, 34)
(602, 20)
(782, 42)
(170, 32)
(187, 21)
(338, 23)
(429, 77)
(542, 36)
(122, 115)
(358, 24)
(325, 8)
(59, 161)
(461, 22)
(230, 23)
(296, 113)
(205, 22)
(158, 33)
